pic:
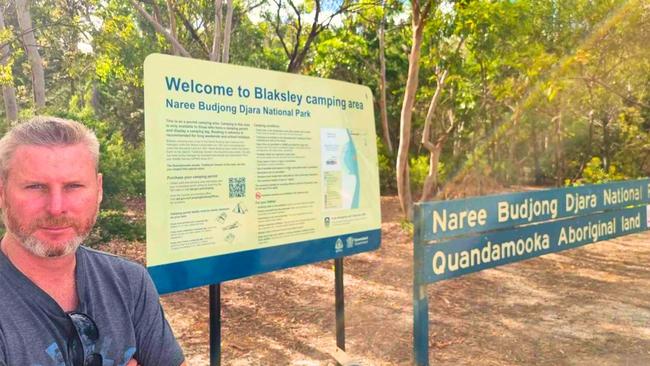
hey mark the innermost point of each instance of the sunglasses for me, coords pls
(83, 341)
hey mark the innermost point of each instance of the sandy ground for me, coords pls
(587, 306)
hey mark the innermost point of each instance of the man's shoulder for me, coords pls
(110, 262)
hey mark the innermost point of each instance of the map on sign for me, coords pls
(341, 183)
(250, 171)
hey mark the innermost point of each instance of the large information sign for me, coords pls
(250, 171)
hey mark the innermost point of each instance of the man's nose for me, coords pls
(56, 204)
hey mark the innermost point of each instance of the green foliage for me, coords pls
(594, 172)
(114, 224)
(386, 165)
(407, 226)
(6, 72)
(121, 165)
(418, 170)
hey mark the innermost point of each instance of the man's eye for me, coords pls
(74, 186)
(35, 186)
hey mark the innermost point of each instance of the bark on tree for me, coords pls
(172, 25)
(225, 56)
(215, 54)
(590, 140)
(8, 91)
(383, 109)
(559, 159)
(31, 48)
(606, 141)
(538, 168)
(418, 19)
(435, 149)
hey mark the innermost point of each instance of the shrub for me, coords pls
(386, 165)
(594, 172)
(114, 224)
(419, 169)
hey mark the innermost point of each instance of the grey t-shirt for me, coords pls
(117, 294)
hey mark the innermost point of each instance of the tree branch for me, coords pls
(278, 31)
(426, 134)
(195, 36)
(294, 51)
(160, 29)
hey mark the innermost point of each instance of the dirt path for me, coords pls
(588, 306)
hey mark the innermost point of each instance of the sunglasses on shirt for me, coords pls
(82, 343)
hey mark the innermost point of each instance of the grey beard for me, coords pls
(42, 250)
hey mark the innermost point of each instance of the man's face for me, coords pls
(50, 198)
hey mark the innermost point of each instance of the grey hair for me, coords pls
(46, 131)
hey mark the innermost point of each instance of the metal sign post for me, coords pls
(215, 325)
(420, 299)
(339, 303)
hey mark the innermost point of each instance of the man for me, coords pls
(62, 304)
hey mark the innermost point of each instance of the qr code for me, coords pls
(237, 187)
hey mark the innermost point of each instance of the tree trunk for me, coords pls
(225, 58)
(606, 142)
(431, 180)
(430, 187)
(590, 141)
(383, 111)
(8, 91)
(215, 55)
(458, 137)
(172, 26)
(538, 169)
(406, 116)
(31, 48)
(559, 158)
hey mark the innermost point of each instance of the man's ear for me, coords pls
(100, 188)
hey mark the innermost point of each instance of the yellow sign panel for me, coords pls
(241, 159)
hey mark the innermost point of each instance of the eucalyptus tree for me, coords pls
(421, 12)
